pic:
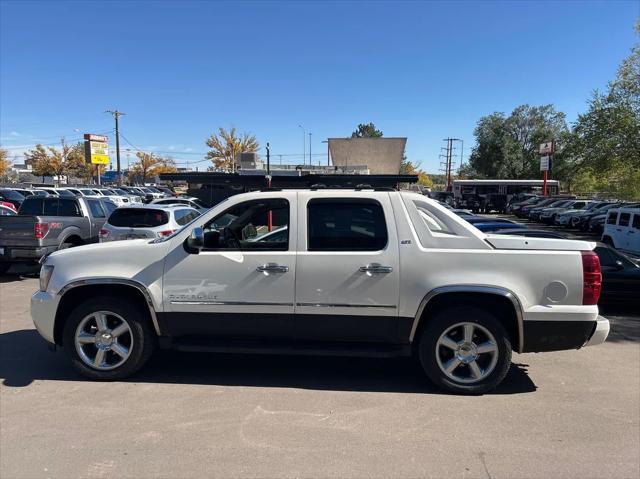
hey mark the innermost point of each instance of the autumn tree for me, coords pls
(150, 165)
(5, 164)
(226, 147)
(367, 130)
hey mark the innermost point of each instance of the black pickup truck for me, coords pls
(45, 225)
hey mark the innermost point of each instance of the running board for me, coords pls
(370, 350)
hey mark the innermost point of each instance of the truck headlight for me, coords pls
(45, 275)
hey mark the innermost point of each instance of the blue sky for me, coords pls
(180, 69)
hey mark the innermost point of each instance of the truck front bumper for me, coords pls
(43, 313)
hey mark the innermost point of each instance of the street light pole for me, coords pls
(310, 160)
(304, 144)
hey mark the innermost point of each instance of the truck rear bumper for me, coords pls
(12, 254)
(600, 333)
(558, 335)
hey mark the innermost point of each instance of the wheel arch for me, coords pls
(122, 288)
(496, 298)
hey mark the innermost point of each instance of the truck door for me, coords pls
(241, 285)
(347, 282)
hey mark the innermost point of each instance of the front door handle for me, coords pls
(272, 268)
(375, 268)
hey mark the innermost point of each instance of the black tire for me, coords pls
(65, 246)
(439, 324)
(143, 338)
(4, 267)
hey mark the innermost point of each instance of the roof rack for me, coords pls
(322, 186)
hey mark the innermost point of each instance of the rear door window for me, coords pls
(138, 218)
(636, 221)
(346, 225)
(624, 219)
(68, 208)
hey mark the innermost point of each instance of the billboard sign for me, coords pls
(545, 163)
(96, 149)
(546, 148)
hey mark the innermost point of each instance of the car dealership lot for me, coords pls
(564, 414)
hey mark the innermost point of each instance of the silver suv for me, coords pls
(146, 221)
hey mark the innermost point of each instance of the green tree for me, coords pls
(606, 139)
(226, 147)
(368, 130)
(507, 146)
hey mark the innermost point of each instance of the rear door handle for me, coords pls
(376, 268)
(272, 268)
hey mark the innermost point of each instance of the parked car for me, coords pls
(597, 222)
(12, 197)
(549, 215)
(516, 206)
(45, 225)
(584, 221)
(195, 203)
(359, 273)
(146, 221)
(11, 206)
(6, 211)
(620, 277)
(535, 213)
(487, 219)
(571, 218)
(622, 229)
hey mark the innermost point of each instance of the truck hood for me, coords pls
(527, 243)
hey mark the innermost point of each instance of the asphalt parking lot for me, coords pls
(564, 414)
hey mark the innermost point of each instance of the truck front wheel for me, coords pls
(465, 350)
(108, 338)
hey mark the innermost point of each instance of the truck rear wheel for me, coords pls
(108, 338)
(465, 350)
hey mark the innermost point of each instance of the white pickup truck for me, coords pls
(342, 272)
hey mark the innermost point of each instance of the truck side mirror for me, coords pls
(195, 241)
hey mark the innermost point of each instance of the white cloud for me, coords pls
(14, 133)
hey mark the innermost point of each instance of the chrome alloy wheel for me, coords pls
(467, 352)
(103, 340)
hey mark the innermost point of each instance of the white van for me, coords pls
(622, 229)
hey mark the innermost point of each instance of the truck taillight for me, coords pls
(40, 230)
(165, 233)
(103, 233)
(592, 278)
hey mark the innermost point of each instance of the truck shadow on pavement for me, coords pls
(24, 359)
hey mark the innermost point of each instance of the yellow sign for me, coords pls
(99, 153)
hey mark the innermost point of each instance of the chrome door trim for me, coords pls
(228, 303)
(473, 288)
(344, 305)
(127, 282)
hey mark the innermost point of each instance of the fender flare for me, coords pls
(120, 281)
(68, 232)
(473, 288)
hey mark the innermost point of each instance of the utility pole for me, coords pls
(116, 114)
(310, 148)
